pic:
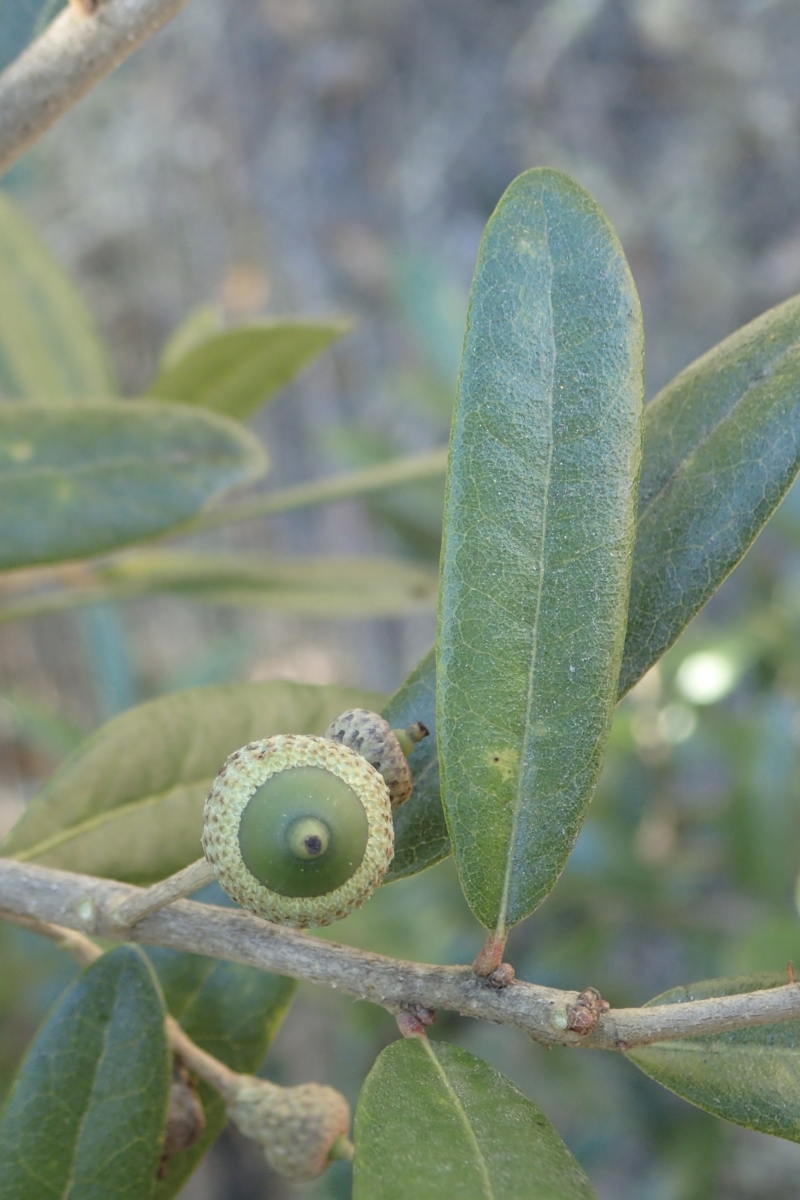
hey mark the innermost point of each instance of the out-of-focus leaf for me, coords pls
(307, 587)
(197, 326)
(325, 587)
(85, 1118)
(236, 371)
(721, 449)
(49, 348)
(540, 520)
(129, 802)
(384, 475)
(80, 479)
(748, 1076)
(232, 1012)
(434, 1121)
(420, 830)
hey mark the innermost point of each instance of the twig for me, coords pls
(74, 52)
(85, 951)
(85, 903)
(181, 884)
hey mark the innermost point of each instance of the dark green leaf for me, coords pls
(234, 372)
(232, 1012)
(538, 537)
(85, 1118)
(129, 802)
(80, 479)
(748, 1076)
(49, 348)
(722, 447)
(742, 397)
(420, 831)
(434, 1122)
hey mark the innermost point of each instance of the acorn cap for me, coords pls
(298, 829)
(296, 1127)
(376, 741)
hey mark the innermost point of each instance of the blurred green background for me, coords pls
(341, 157)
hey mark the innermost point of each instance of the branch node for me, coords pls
(414, 1020)
(583, 1015)
(500, 977)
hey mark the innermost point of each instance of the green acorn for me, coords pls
(299, 829)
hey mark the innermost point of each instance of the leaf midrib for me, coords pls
(519, 798)
(102, 818)
(463, 1117)
(684, 463)
(68, 1184)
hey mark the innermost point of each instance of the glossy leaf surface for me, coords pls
(81, 479)
(748, 1076)
(538, 537)
(49, 348)
(236, 371)
(232, 1012)
(721, 449)
(143, 822)
(85, 1118)
(434, 1121)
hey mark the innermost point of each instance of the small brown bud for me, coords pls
(299, 1129)
(583, 1015)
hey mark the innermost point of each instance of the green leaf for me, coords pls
(197, 326)
(235, 372)
(538, 537)
(741, 399)
(85, 1118)
(310, 587)
(82, 479)
(49, 348)
(721, 449)
(748, 1076)
(232, 1012)
(393, 473)
(434, 1122)
(420, 830)
(128, 804)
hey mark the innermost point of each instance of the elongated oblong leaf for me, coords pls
(538, 536)
(80, 479)
(85, 1117)
(234, 372)
(232, 1012)
(698, 513)
(721, 449)
(327, 586)
(434, 1122)
(128, 804)
(748, 1076)
(49, 348)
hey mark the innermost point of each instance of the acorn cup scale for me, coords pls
(299, 829)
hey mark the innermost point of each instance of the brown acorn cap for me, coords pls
(376, 741)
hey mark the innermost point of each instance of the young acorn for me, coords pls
(299, 828)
